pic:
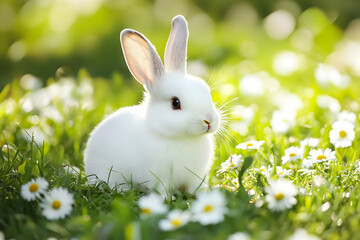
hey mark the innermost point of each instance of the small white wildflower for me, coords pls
(280, 195)
(252, 144)
(239, 236)
(346, 116)
(265, 170)
(209, 208)
(174, 220)
(318, 156)
(234, 161)
(281, 172)
(342, 134)
(152, 204)
(34, 189)
(311, 142)
(292, 154)
(57, 204)
(301, 234)
(282, 121)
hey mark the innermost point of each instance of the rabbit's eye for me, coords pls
(175, 103)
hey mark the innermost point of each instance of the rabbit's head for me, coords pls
(178, 105)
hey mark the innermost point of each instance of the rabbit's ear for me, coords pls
(141, 57)
(175, 52)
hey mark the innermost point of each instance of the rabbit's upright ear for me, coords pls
(175, 52)
(141, 57)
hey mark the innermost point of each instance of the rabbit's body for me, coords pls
(168, 137)
(160, 157)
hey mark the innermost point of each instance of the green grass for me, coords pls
(329, 210)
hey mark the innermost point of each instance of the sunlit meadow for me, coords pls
(286, 164)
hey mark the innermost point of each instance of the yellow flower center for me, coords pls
(292, 154)
(262, 169)
(321, 157)
(279, 196)
(208, 208)
(249, 144)
(56, 204)
(145, 210)
(281, 173)
(342, 134)
(33, 187)
(176, 222)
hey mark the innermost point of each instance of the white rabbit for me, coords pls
(166, 142)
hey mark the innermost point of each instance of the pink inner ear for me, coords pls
(138, 57)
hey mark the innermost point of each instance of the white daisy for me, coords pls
(234, 161)
(292, 154)
(34, 189)
(346, 116)
(318, 156)
(174, 220)
(252, 144)
(342, 134)
(281, 172)
(280, 195)
(265, 170)
(152, 204)
(301, 234)
(239, 236)
(311, 142)
(282, 121)
(209, 208)
(57, 204)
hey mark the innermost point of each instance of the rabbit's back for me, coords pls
(114, 144)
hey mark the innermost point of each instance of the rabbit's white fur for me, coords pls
(152, 141)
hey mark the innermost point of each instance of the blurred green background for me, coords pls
(56, 38)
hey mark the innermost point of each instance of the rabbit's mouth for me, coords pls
(209, 127)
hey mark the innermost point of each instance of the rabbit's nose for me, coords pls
(208, 124)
